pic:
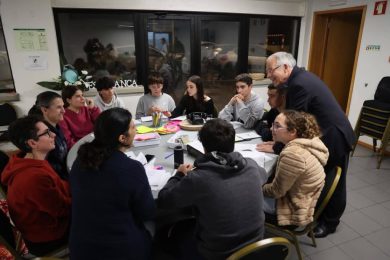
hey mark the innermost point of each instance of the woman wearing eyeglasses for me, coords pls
(38, 199)
(50, 106)
(291, 197)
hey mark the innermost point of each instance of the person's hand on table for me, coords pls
(154, 109)
(185, 168)
(265, 147)
(167, 113)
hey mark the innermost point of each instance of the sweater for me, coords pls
(298, 181)
(115, 102)
(189, 105)
(247, 112)
(145, 102)
(57, 156)
(77, 125)
(224, 189)
(108, 210)
(39, 201)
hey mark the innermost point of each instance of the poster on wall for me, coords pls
(31, 39)
(35, 62)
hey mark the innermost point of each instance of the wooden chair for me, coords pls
(7, 239)
(308, 229)
(270, 248)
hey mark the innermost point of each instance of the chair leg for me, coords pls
(313, 239)
(357, 132)
(298, 248)
(292, 237)
(374, 144)
(384, 143)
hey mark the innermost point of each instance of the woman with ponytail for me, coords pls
(111, 196)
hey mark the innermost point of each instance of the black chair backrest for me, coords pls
(6, 229)
(276, 252)
(277, 248)
(382, 92)
(3, 162)
(7, 114)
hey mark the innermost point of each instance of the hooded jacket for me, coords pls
(298, 181)
(248, 112)
(224, 190)
(115, 102)
(38, 200)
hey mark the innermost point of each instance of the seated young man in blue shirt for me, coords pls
(225, 191)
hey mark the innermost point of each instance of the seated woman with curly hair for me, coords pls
(291, 197)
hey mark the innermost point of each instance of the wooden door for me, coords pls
(334, 48)
(339, 56)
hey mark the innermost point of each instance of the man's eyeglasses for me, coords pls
(276, 127)
(270, 71)
(47, 132)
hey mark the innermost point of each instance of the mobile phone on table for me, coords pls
(149, 157)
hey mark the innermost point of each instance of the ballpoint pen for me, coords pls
(169, 155)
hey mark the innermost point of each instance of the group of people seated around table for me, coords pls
(101, 206)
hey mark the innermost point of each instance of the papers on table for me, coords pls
(182, 138)
(157, 177)
(195, 148)
(236, 124)
(180, 118)
(249, 151)
(140, 157)
(168, 128)
(246, 136)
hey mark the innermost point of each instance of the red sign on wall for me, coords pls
(380, 7)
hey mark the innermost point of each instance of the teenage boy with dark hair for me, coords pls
(224, 189)
(245, 106)
(38, 199)
(277, 101)
(106, 97)
(155, 100)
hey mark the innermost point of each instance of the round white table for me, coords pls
(164, 155)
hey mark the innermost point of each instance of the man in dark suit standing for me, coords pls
(306, 92)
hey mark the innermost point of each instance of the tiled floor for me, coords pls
(364, 231)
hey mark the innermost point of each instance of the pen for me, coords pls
(169, 155)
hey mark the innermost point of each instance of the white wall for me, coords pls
(372, 65)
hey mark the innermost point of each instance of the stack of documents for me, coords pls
(146, 139)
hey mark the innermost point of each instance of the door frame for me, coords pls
(316, 60)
